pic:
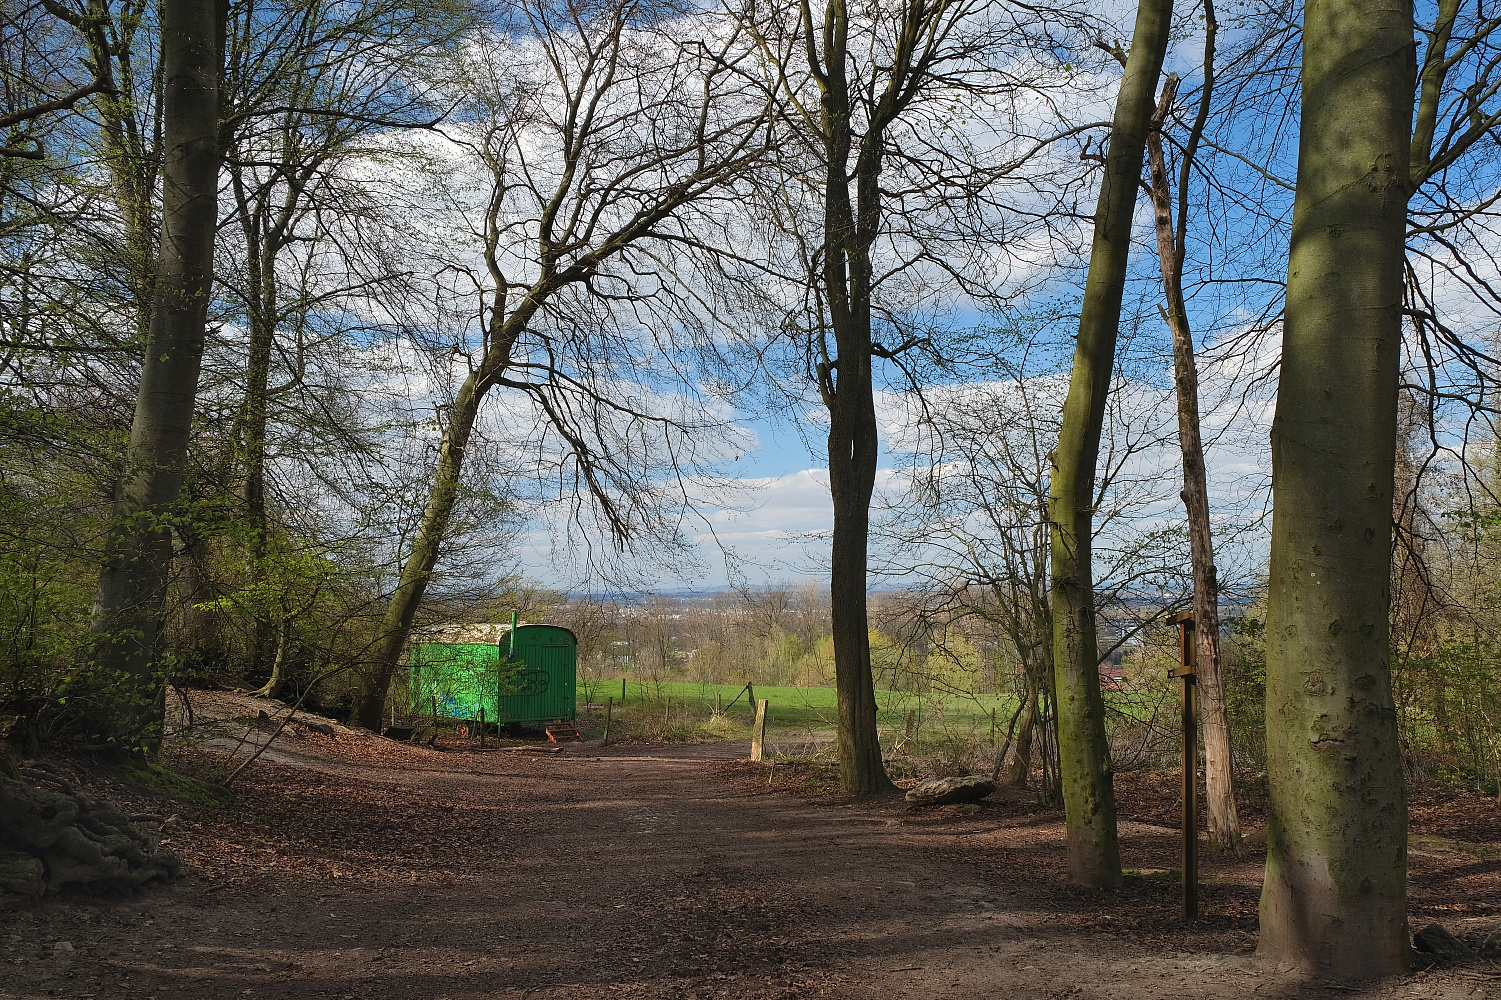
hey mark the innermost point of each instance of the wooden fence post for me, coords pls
(622, 690)
(758, 732)
(609, 710)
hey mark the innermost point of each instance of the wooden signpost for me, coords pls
(1185, 669)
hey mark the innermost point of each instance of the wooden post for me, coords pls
(758, 731)
(750, 691)
(622, 690)
(482, 727)
(609, 710)
(667, 711)
(1185, 622)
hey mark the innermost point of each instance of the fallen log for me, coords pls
(944, 791)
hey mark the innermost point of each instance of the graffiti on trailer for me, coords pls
(530, 682)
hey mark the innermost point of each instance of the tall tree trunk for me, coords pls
(133, 580)
(1084, 754)
(503, 331)
(250, 423)
(427, 543)
(252, 445)
(1020, 767)
(1219, 764)
(850, 227)
(1334, 899)
(853, 447)
(852, 480)
(278, 679)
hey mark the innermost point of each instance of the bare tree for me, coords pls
(36, 83)
(973, 526)
(889, 215)
(312, 96)
(597, 129)
(1219, 763)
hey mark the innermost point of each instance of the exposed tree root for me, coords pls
(51, 838)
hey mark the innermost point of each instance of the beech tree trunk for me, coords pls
(851, 226)
(427, 543)
(1020, 766)
(251, 421)
(267, 230)
(133, 580)
(852, 473)
(853, 449)
(1084, 754)
(278, 679)
(1219, 764)
(1334, 900)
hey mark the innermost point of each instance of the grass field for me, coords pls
(803, 709)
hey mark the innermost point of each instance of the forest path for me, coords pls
(356, 868)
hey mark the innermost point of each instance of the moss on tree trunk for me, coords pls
(117, 695)
(1084, 755)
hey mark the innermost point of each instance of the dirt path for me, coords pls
(638, 872)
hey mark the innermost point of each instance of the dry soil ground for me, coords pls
(348, 866)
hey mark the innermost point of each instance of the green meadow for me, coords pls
(800, 708)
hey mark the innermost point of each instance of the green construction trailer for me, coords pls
(515, 673)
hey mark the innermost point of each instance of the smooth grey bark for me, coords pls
(122, 677)
(1334, 900)
(1084, 754)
